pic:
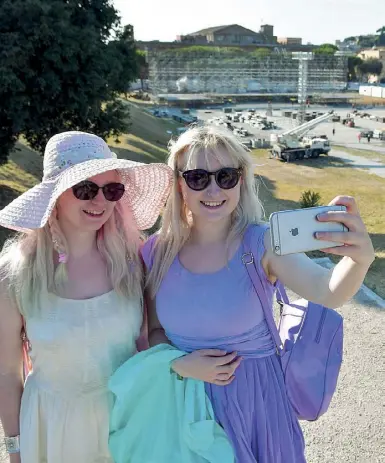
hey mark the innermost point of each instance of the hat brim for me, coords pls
(147, 187)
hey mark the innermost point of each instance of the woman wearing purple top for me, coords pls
(201, 300)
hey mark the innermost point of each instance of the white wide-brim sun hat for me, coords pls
(72, 157)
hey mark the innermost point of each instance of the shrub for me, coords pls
(309, 198)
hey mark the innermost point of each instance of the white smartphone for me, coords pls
(293, 231)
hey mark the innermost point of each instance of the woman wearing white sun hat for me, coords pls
(71, 284)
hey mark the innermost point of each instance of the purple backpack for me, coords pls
(309, 341)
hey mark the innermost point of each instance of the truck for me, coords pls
(379, 133)
(293, 145)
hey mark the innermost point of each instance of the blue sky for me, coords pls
(316, 21)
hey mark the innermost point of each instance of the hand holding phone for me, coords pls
(293, 231)
(356, 243)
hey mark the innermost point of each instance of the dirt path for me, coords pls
(360, 162)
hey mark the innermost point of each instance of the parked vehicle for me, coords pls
(379, 134)
(292, 145)
(367, 133)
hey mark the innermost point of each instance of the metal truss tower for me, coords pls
(303, 78)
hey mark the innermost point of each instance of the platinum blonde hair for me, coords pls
(177, 221)
(27, 260)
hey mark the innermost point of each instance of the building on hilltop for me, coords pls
(289, 41)
(231, 35)
(374, 53)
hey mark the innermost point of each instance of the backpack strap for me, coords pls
(282, 297)
(249, 262)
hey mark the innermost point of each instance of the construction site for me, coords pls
(221, 71)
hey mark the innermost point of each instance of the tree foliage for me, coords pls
(370, 40)
(62, 65)
(325, 49)
(371, 66)
(354, 62)
(262, 52)
(381, 37)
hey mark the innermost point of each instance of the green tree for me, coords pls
(325, 49)
(353, 64)
(62, 65)
(370, 66)
(351, 39)
(143, 66)
(381, 36)
(262, 52)
(367, 41)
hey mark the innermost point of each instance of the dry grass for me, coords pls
(148, 137)
(368, 100)
(281, 185)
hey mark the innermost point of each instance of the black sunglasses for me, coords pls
(199, 179)
(88, 190)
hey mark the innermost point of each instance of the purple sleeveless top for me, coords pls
(215, 310)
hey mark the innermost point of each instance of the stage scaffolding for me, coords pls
(174, 71)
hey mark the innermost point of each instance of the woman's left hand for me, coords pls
(357, 243)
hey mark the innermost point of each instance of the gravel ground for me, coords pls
(353, 430)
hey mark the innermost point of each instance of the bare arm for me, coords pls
(11, 359)
(156, 334)
(331, 288)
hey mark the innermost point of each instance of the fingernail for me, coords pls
(317, 234)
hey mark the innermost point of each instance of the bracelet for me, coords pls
(178, 376)
(12, 444)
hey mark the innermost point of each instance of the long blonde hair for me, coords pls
(27, 260)
(213, 141)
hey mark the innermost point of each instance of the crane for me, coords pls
(291, 144)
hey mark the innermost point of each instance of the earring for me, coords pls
(63, 258)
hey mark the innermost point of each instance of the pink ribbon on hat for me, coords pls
(63, 259)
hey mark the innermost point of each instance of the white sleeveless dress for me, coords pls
(76, 346)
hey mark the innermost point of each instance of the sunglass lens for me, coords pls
(85, 190)
(227, 178)
(197, 179)
(113, 191)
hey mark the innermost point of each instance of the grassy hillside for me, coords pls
(148, 138)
